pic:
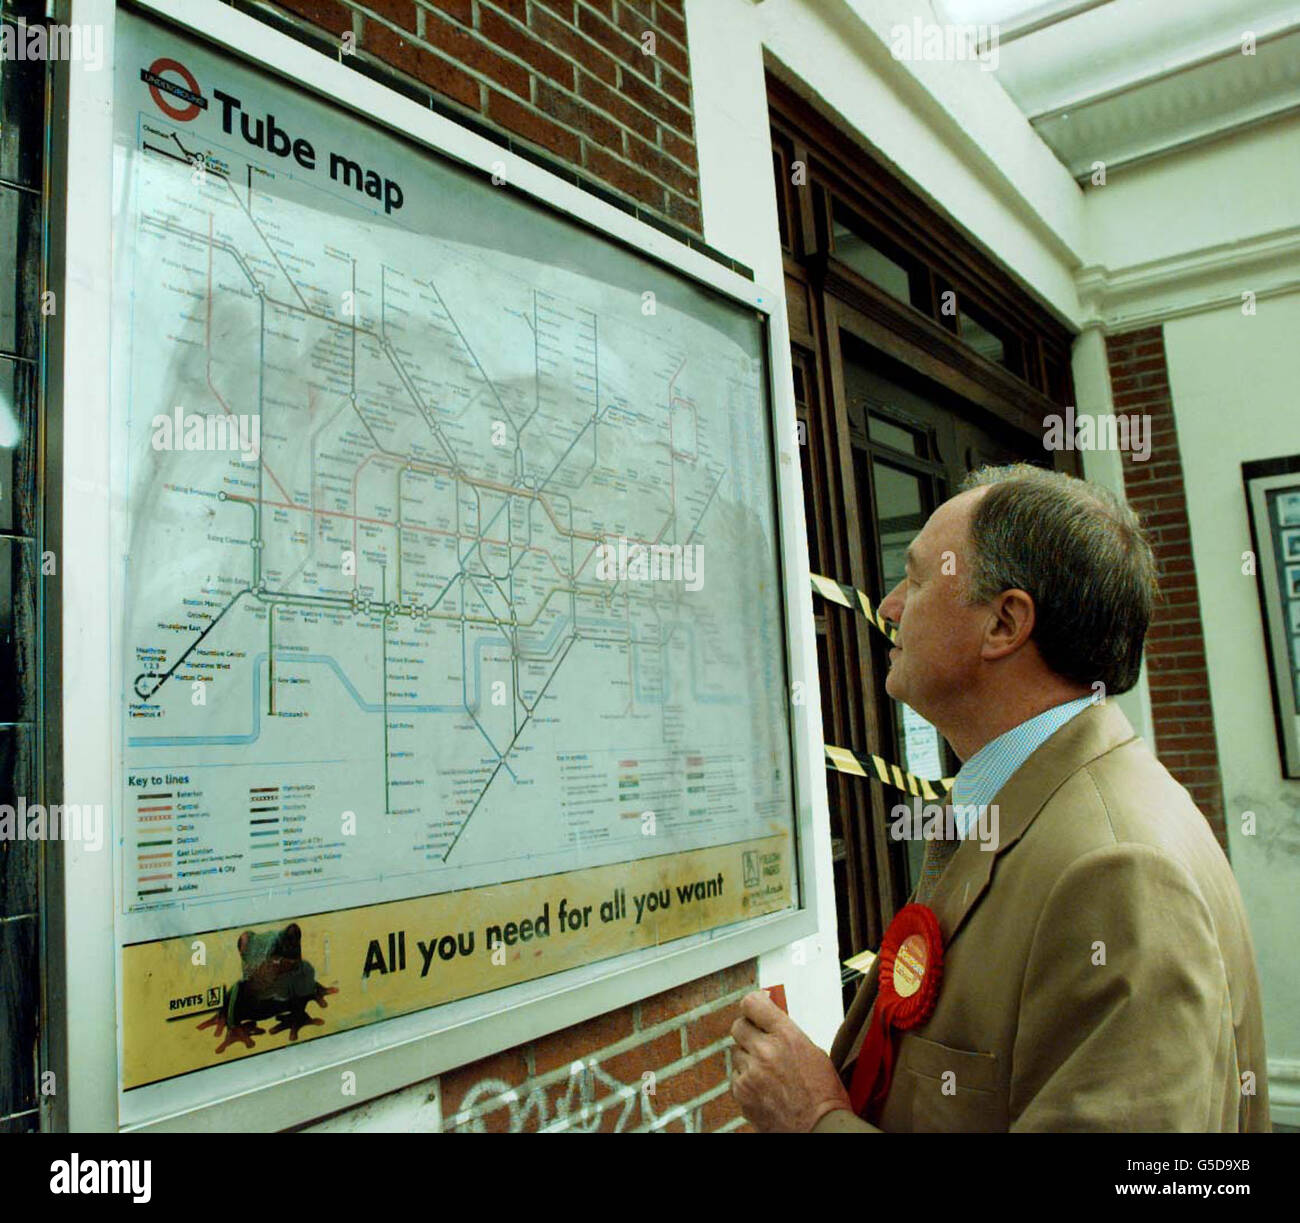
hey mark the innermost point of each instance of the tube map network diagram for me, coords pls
(389, 499)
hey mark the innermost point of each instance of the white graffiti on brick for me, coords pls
(577, 1110)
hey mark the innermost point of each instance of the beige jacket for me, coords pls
(1102, 856)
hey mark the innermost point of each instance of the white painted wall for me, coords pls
(1226, 192)
(1196, 230)
(1234, 381)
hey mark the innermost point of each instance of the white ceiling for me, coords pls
(1118, 81)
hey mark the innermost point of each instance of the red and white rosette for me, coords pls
(911, 967)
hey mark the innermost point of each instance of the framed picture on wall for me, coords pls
(1273, 503)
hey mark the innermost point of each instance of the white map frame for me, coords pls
(393, 1053)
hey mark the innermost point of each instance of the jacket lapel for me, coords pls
(854, 1027)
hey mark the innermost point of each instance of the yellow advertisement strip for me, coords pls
(844, 760)
(855, 600)
(206, 999)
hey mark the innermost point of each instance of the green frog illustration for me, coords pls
(277, 983)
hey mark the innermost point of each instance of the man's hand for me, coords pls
(780, 1079)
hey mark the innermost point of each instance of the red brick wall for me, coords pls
(569, 78)
(1176, 670)
(592, 1077)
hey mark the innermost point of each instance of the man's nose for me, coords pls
(891, 606)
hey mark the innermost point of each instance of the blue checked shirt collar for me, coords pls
(985, 773)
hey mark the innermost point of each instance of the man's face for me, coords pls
(938, 653)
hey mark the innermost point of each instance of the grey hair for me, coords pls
(1080, 554)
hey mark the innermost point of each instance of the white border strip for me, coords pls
(90, 951)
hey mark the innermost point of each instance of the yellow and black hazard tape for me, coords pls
(847, 596)
(845, 760)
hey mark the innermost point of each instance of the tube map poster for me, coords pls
(451, 646)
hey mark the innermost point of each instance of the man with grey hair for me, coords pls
(1097, 967)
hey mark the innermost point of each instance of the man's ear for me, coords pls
(1010, 626)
